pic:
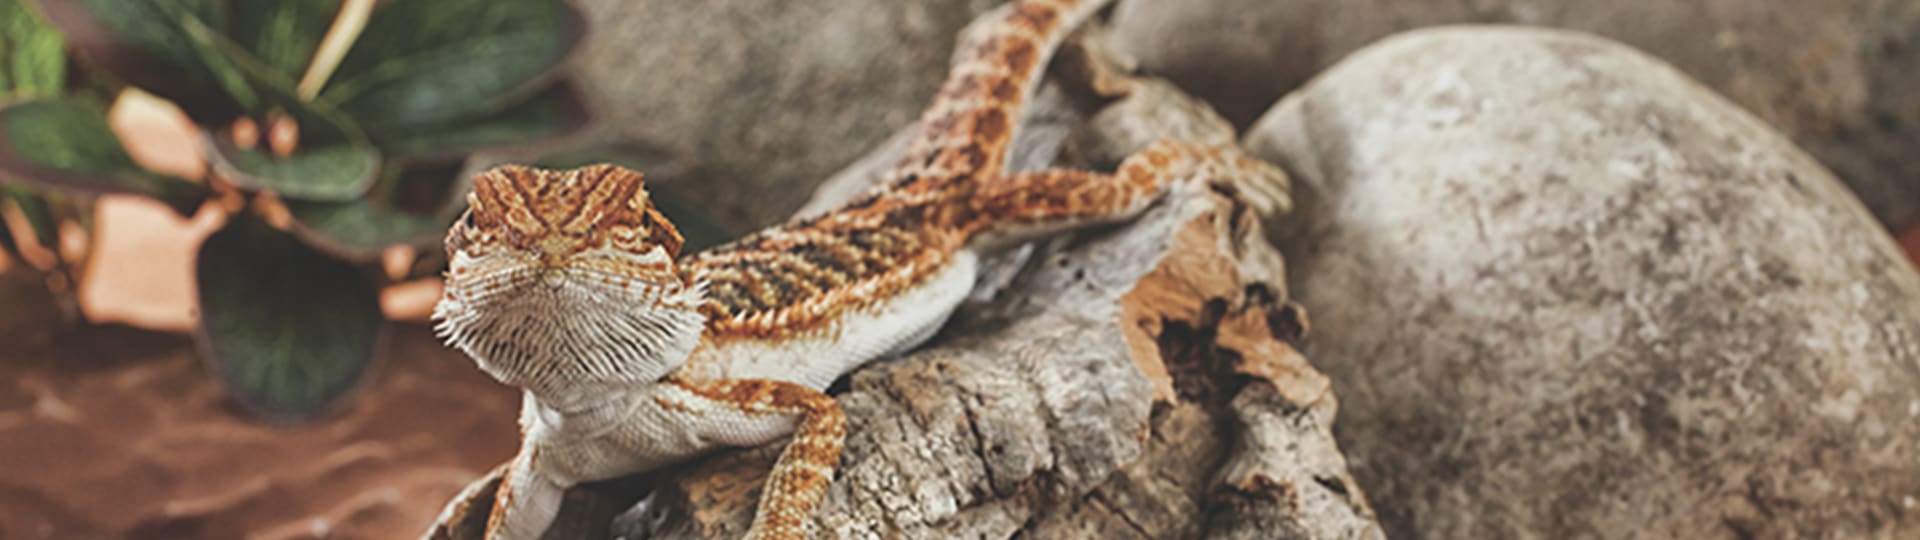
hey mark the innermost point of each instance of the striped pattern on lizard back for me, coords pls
(801, 277)
(798, 278)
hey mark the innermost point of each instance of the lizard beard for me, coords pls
(535, 329)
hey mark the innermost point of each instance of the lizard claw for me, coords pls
(1259, 184)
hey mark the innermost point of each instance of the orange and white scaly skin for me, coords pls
(570, 285)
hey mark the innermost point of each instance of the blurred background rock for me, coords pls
(776, 97)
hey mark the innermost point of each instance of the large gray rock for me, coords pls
(756, 102)
(1841, 77)
(1565, 291)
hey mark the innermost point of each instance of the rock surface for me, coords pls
(755, 101)
(766, 99)
(1565, 291)
(1838, 76)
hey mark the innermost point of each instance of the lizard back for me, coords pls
(802, 277)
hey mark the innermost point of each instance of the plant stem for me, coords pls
(346, 27)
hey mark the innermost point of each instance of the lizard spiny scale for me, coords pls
(570, 285)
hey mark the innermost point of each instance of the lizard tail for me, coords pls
(967, 130)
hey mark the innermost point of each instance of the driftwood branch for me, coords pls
(1137, 381)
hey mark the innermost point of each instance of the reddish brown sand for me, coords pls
(112, 432)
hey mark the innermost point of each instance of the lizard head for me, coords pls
(567, 276)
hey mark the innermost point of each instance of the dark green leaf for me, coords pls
(328, 165)
(361, 229)
(143, 43)
(555, 112)
(234, 69)
(65, 144)
(331, 173)
(209, 74)
(420, 62)
(288, 329)
(266, 86)
(283, 34)
(333, 161)
(258, 86)
(32, 59)
(151, 26)
(69, 134)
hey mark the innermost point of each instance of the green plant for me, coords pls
(32, 64)
(342, 123)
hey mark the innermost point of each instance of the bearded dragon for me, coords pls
(570, 285)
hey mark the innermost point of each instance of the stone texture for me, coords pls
(1565, 291)
(1838, 76)
(755, 101)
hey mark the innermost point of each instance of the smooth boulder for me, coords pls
(1838, 76)
(1565, 291)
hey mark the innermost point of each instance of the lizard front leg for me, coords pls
(1025, 205)
(527, 500)
(745, 412)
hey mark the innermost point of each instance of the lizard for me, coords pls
(570, 285)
